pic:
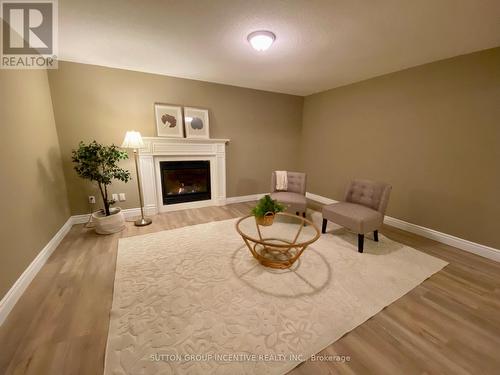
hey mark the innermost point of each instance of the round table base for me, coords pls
(276, 257)
(277, 252)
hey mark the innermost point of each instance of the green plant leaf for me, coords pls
(267, 204)
(99, 164)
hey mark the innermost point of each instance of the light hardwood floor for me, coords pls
(450, 324)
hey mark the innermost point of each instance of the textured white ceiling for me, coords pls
(320, 44)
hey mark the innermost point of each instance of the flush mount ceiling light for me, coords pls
(261, 40)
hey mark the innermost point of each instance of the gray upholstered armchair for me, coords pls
(363, 210)
(294, 198)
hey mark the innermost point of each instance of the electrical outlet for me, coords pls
(122, 197)
(91, 199)
(114, 196)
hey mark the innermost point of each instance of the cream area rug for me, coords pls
(194, 301)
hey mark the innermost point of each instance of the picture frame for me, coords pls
(196, 123)
(169, 120)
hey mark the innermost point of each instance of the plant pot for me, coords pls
(109, 224)
(265, 220)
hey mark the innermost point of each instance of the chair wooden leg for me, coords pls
(361, 241)
(323, 227)
(375, 236)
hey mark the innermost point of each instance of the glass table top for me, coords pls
(286, 229)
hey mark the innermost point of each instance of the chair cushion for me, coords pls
(353, 216)
(295, 202)
(369, 193)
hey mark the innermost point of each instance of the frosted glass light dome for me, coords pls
(261, 40)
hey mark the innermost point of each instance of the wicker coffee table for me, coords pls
(280, 244)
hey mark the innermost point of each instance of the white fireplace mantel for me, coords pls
(158, 149)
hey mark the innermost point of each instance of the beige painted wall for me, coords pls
(33, 191)
(100, 103)
(432, 131)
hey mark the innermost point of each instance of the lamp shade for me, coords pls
(133, 139)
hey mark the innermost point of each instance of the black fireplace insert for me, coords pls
(185, 181)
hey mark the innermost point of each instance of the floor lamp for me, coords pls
(133, 140)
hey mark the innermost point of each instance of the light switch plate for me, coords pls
(114, 197)
(122, 197)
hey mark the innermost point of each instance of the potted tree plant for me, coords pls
(99, 164)
(266, 209)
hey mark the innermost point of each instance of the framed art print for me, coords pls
(169, 120)
(196, 122)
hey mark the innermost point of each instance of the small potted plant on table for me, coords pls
(99, 164)
(266, 209)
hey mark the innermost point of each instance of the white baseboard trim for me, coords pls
(79, 219)
(319, 198)
(129, 212)
(16, 291)
(152, 210)
(460, 243)
(448, 239)
(245, 198)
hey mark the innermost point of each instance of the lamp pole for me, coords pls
(143, 221)
(133, 140)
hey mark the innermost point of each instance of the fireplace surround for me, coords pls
(158, 150)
